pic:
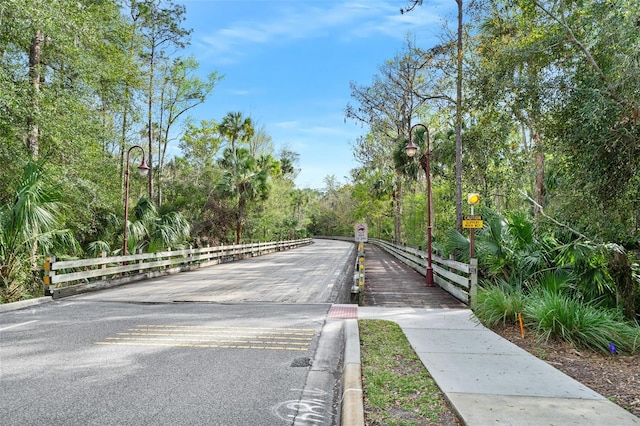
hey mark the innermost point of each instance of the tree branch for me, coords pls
(411, 6)
(635, 112)
(552, 219)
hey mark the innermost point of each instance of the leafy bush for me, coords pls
(513, 248)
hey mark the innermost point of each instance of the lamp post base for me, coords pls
(429, 276)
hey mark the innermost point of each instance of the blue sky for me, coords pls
(288, 64)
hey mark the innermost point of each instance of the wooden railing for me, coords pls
(64, 278)
(457, 278)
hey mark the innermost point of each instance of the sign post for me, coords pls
(472, 223)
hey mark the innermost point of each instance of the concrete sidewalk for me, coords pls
(489, 380)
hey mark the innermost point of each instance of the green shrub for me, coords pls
(497, 305)
(554, 315)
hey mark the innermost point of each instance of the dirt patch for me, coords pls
(616, 377)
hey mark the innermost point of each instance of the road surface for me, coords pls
(242, 343)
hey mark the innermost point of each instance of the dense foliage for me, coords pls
(89, 90)
(551, 141)
(545, 125)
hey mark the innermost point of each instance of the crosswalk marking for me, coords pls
(288, 339)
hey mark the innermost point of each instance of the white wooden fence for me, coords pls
(64, 278)
(457, 278)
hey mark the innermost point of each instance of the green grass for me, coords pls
(398, 389)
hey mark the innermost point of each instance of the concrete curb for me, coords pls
(352, 413)
(322, 376)
(14, 306)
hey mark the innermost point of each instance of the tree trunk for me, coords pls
(161, 136)
(150, 176)
(150, 129)
(397, 217)
(539, 164)
(625, 286)
(238, 231)
(35, 64)
(241, 208)
(458, 167)
(123, 136)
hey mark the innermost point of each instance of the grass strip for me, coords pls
(398, 390)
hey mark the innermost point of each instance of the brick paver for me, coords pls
(390, 283)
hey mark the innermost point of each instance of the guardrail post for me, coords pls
(140, 262)
(49, 273)
(357, 290)
(103, 254)
(473, 281)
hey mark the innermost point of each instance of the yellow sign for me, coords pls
(472, 222)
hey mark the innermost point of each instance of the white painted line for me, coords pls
(18, 325)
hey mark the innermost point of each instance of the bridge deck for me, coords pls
(390, 283)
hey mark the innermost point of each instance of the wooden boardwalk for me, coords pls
(390, 283)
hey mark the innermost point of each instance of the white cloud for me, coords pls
(240, 92)
(325, 131)
(287, 125)
(346, 20)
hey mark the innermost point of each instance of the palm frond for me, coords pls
(454, 243)
(520, 229)
(144, 210)
(94, 248)
(556, 281)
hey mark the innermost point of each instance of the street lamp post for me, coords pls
(143, 169)
(411, 150)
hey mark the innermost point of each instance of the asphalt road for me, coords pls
(208, 351)
(309, 274)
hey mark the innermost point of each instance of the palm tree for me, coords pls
(298, 199)
(236, 129)
(29, 226)
(243, 180)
